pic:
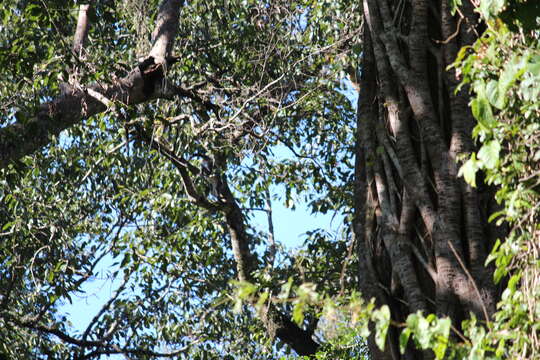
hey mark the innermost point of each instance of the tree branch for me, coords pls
(82, 29)
(183, 167)
(136, 352)
(165, 30)
(74, 105)
(276, 322)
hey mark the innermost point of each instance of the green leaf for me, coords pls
(482, 112)
(286, 289)
(422, 333)
(381, 317)
(262, 300)
(501, 348)
(489, 154)
(412, 320)
(512, 72)
(439, 349)
(494, 95)
(298, 312)
(50, 276)
(246, 290)
(461, 54)
(307, 292)
(404, 339)
(8, 225)
(490, 8)
(513, 282)
(442, 331)
(468, 170)
(454, 5)
(496, 214)
(534, 65)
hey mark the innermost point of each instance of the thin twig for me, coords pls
(472, 281)
(453, 35)
(344, 267)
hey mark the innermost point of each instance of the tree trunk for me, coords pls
(421, 236)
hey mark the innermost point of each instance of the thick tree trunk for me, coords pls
(419, 228)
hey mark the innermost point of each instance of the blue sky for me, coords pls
(290, 227)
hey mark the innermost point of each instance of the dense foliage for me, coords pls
(503, 68)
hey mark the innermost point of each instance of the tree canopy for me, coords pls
(141, 142)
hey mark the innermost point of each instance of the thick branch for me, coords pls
(68, 109)
(166, 28)
(74, 105)
(277, 323)
(55, 331)
(82, 29)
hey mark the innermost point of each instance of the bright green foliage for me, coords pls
(427, 333)
(382, 322)
(503, 69)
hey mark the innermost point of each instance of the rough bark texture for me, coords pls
(419, 227)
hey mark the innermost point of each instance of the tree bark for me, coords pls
(409, 201)
(276, 323)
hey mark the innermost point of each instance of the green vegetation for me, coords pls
(504, 72)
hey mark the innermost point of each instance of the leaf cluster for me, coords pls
(503, 70)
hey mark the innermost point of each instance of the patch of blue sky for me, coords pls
(291, 226)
